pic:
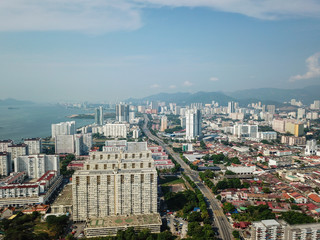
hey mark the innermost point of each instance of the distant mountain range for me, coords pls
(274, 96)
(14, 102)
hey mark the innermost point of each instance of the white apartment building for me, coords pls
(16, 150)
(267, 229)
(136, 133)
(4, 144)
(245, 130)
(65, 144)
(267, 135)
(122, 112)
(63, 128)
(280, 230)
(34, 145)
(99, 117)
(5, 164)
(311, 147)
(37, 165)
(242, 170)
(115, 130)
(115, 183)
(193, 124)
(13, 192)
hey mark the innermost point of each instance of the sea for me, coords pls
(28, 121)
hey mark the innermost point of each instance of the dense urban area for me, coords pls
(162, 170)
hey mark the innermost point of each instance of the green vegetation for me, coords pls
(170, 180)
(228, 172)
(221, 159)
(206, 178)
(295, 207)
(229, 183)
(228, 207)
(254, 213)
(236, 234)
(196, 231)
(64, 163)
(29, 227)
(266, 190)
(57, 224)
(174, 129)
(292, 217)
(203, 145)
(98, 136)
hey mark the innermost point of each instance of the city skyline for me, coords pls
(53, 51)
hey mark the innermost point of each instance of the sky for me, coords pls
(110, 50)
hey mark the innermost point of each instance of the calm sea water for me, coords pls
(35, 120)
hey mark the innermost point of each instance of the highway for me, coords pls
(219, 217)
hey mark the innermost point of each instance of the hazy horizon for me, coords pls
(107, 50)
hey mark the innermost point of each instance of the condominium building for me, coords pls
(5, 164)
(267, 229)
(291, 140)
(279, 125)
(37, 165)
(34, 145)
(65, 144)
(245, 130)
(4, 144)
(136, 133)
(297, 129)
(164, 123)
(118, 130)
(193, 124)
(99, 118)
(122, 112)
(311, 147)
(267, 135)
(63, 128)
(16, 150)
(280, 230)
(271, 109)
(115, 183)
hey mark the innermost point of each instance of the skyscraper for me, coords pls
(115, 183)
(193, 124)
(122, 112)
(164, 123)
(63, 128)
(99, 116)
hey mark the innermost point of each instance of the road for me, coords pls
(219, 217)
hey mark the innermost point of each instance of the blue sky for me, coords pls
(99, 50)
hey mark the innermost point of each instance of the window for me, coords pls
(88, 180)
(149, 164)
(148, 155)
(88, 167)
(101, 157)
(113, 166)
(116, 156)
(151, 178)
(141, 165)
(126, 156)
(122, 179)
(104, 166)
(108, 180)
(142, 178)
(93, 157)
(98, 180)
(125, 166)
(77, 181)
(132, 178)
(108, 156)
(133, 165)
(96, 166)
(140, 155)
(133, 155)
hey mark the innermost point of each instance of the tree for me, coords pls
(228, 207)
(236, 234)
(194, 217)
(266, 190)
(219, 197)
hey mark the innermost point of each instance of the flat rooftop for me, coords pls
(65, 197)
(130, 221)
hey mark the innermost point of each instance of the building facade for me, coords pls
(34, 145)
(122, 112)
(98, 117)
(63, 128)
(193, 124)
(5, 164)
(115, 183)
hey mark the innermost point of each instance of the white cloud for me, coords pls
(172, 86)
(155, 85)
(100, 16)
(94, 16)
(187, 83)
(214, 79)
(313, 66)
(262, 9)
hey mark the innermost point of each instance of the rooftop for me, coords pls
(118, 221)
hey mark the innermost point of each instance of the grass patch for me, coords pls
(170, 181)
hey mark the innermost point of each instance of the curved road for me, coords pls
(219, 217)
